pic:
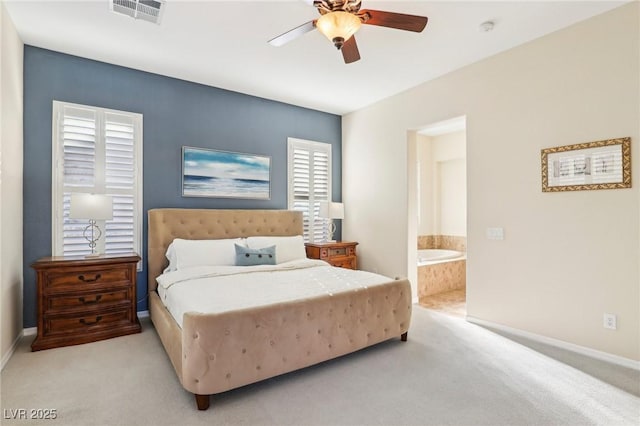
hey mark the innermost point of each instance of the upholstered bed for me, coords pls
(216, 352)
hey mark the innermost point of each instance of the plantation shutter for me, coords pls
(309, 170)
(97, 151)
(120, 180)
(78, 134)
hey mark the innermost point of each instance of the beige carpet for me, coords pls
(450, 372)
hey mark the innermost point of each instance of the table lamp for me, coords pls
(93, 207)
(330, 210)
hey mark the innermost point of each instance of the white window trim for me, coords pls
(292, 143)
(57, 181)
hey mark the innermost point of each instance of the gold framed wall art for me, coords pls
(602, 164)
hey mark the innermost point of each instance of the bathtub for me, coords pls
(440, 271)
(432, 256)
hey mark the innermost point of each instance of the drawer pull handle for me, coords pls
(85, 322)
(89, 280)
(88, 302)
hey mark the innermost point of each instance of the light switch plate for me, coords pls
(495, 233)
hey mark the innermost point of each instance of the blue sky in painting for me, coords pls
(221, 164)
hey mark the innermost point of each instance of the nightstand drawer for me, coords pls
(347, 262)
(88, 299)
(86, 322)
(89, 276)
(339, 251)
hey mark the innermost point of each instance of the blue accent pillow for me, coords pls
(246, 256)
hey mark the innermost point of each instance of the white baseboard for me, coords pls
(143, 314)
(31, 331)
(6, 357)
(593, 353)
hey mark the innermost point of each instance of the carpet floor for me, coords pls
(450, 372)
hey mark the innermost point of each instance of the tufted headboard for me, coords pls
(203, 224)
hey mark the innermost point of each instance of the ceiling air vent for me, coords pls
(147, 10)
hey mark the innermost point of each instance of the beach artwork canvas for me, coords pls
(211, 173)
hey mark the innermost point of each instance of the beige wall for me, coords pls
(10, 183)
(425, 187)
(567, 258)
(443, 184)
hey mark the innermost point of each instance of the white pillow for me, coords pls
(171, 257)
(189, 253)
(287, 248)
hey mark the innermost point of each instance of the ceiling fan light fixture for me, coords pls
(338, 27)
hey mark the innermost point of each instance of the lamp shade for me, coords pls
(91, 206)
(330, 210)
(338, 25)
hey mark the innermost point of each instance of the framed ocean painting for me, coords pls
(222, 174)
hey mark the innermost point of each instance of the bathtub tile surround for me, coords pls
(426, 242)
(441, 277)
(452, 242)
(449, 242)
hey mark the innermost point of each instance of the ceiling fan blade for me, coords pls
(398, 21)
(293, 34)
(350, 51)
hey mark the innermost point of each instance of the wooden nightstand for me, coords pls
(341, 253)
(81, 300)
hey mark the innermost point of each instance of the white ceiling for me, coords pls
(224, 43)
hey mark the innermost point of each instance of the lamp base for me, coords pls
(92, 234)
(332, 230)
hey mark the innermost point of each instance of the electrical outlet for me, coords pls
(610, 321)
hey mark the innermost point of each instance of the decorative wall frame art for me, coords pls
(593, 165)
(222, 174)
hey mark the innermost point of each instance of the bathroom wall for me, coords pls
(442, 187)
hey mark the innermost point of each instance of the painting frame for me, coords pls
(604, 164)
(212, 173)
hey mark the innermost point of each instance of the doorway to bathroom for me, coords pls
(441, 214)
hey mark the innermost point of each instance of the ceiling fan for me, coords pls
(340, 19)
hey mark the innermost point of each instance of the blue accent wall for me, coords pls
(176, 113)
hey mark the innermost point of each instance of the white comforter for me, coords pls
(214, 289)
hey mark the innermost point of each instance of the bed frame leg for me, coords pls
(403, 336)
(202, 401)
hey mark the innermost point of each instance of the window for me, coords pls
(309, 183)
(96, 150)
